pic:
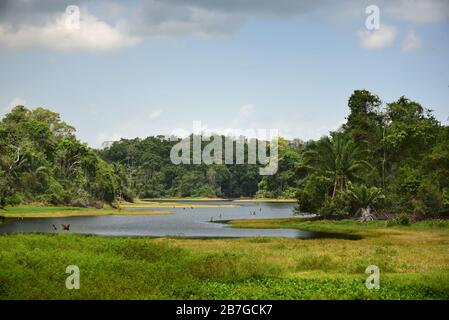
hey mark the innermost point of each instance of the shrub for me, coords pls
(362, 197)
(446, 197)
(55, 194)
(15, 199)
(403, 219)
(429, 199)
(313, 195)
(204, 191)
(337, 207)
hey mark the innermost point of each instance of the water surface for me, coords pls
(184, 222)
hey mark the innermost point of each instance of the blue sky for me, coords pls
(246, 64)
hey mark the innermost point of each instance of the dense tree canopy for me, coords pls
(389, 157)
(152, 174)
(41, 160)
(398, 154)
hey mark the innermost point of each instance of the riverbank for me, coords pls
(43, 211)
(202, 199)
(175, 204)
(23, 212)
(413, 263)
(125, 208)
(339, 226)
(265, 200)
(199, 199)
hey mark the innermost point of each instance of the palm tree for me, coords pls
(337, 157)
(364, 198)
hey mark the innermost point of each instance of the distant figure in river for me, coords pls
(65, 227)
(54, 227)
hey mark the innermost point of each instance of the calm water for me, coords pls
(187, 222)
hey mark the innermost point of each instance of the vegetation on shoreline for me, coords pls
(341, 226)
(382, 160)
(387, 158)
(175, 204)
(176, 268)
(59, 212)
(277, 200)
(201, 199)
(390, 157)
(42, 161)
(196, 199)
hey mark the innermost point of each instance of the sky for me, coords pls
(154, 66)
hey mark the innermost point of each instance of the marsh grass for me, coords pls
(414, 264)
(36, 211)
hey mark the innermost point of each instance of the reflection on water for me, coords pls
(185, 222)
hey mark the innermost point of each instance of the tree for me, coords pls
(41, 160)
(363, 198)
(337, 157)
(364, 119)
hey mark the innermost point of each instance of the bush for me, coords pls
(289, 193)
(429, 199)
(55, 194)
(446, 197)
(337, 207)
(313, 195)
(15, 199)
(305, 202)
(204, 191)
(403, 219)
(362, 197)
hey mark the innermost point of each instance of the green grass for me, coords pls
(36, 211)
(414, 264)
(343, 226)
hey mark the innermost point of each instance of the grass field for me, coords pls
(31, 211)
(413, 261)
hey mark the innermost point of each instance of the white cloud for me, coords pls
(246, 110)
(15, 102)
(418, 11)
(37, 22)
(104, 139)
(41, 23)
(377, 39)
(155, 114)
(93, 35)
(411, 42)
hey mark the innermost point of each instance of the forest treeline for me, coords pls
(389, 157)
